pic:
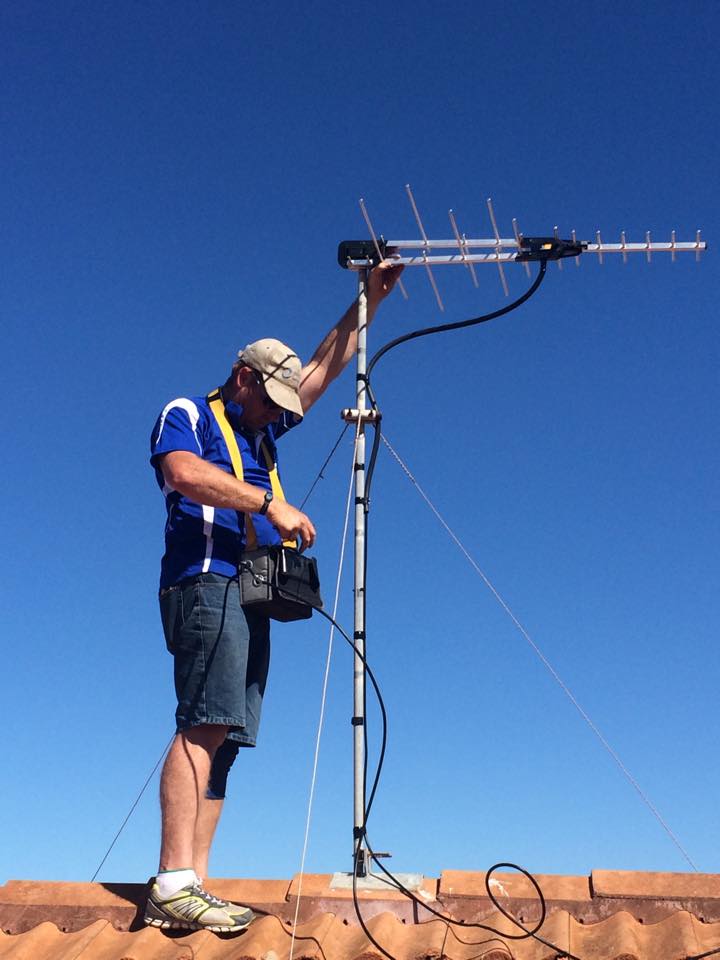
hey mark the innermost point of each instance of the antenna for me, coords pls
(361, 256)
(497, 250)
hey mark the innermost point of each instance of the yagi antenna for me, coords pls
(361, 256)
(497, 250)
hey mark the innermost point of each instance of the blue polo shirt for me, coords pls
(198, 538)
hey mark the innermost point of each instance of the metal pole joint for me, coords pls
(352, 415)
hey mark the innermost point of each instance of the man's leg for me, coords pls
(205, 826)
(182, 792)
(183, 903)
(207, 633)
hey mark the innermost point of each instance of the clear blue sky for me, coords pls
(175, 180)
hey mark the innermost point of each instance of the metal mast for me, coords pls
(358, 718)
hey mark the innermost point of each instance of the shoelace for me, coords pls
(201, 892)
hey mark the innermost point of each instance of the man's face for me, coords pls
(258, 409)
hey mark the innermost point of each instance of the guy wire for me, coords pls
(320, 472)
(325, 684)
(564, 687)
(132, 808)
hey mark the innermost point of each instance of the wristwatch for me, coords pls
(266, 503)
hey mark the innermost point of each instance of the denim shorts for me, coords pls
(221, 652)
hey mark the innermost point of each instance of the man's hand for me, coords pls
(291, 523)
(382, 279)
(203, 482)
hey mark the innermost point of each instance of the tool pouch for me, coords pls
(280, 583)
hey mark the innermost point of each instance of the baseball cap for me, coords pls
(280, 368)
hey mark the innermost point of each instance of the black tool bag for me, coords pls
(280, 583)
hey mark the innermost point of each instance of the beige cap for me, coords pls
(280, 368)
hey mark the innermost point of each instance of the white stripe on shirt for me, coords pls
(208, 518)
(190, 409)
(208, 513)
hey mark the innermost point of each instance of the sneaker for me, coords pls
(193, 908)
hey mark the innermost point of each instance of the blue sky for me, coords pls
(175, 180)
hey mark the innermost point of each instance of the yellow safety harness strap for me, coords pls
(217, 406)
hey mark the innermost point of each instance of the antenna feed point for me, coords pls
(548, 248)
(366, 251)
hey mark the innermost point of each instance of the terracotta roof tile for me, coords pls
(636, 917)
(668, 886)
(464, 883)
(327, 938)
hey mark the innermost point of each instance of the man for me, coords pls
(221, 650)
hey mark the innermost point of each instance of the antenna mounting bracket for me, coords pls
(360, 250)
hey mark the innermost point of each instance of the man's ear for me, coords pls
(244, 376)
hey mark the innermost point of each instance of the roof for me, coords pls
(610, 915)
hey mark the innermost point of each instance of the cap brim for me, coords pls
(284, 396)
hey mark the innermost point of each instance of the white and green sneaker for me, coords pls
(193, 908)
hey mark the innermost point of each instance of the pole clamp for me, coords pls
(351, 415)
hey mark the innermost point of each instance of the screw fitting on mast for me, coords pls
(365, 416)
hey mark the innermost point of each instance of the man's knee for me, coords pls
(210, 736)
(222, 761)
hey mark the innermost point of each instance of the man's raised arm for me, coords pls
(338, 347)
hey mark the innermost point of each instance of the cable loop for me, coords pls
(496, 903)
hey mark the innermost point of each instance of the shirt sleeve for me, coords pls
(286, 422)
(177, 428)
